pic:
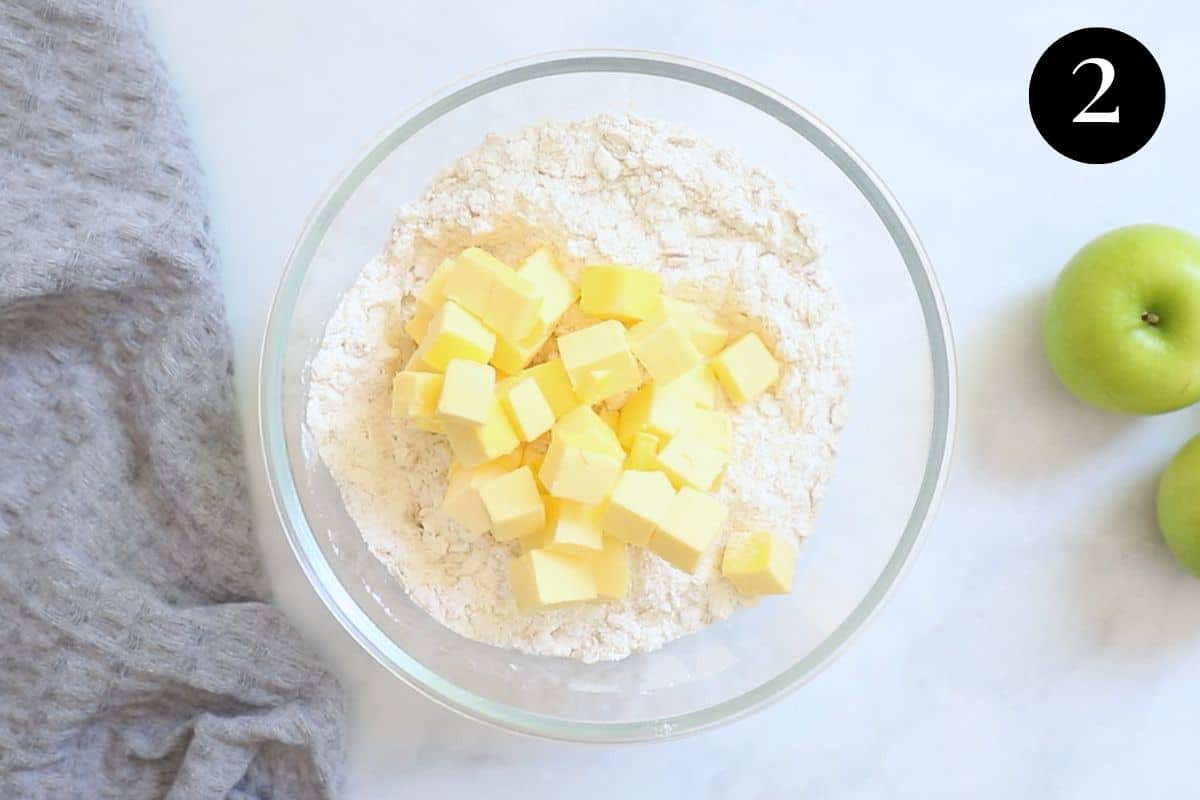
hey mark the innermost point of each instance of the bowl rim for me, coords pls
(271, 370)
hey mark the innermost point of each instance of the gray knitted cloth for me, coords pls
(136, 657)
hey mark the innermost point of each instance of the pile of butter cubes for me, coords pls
(535, 462)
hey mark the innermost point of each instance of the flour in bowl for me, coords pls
(613, 189)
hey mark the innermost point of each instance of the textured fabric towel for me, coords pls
(136, 659)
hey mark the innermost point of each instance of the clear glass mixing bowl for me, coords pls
(887, 479)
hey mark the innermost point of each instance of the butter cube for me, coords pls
(663, 347)
(462, 501)
(541, 269)
(511, 357)
(591, 352)
(654, 410)
(586, 422)
(552, 379)
(759, 563)
(542, 578)
(455, 333)
(746, 368)
(715, 428)
(467, 392)
(513, 504)
(492, 291)
(415, 394)
(610, 291)
(689, 460)
(475, 444)
(639, 501)
(572, 527)
(688, 528)
(708, 337)
(643, 452)
(433, 294)
(579, 468)
(699, 386)
(419, 323)
(610, 568)
(527, 408)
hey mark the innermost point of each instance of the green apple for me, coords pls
(1122, 330)
(1179, 506)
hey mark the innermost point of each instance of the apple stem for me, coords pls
(1150, 318)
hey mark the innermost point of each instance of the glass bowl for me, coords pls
(893, 454)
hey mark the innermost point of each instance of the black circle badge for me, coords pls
(1097, 95)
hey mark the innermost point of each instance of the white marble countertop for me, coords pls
(1044, 644)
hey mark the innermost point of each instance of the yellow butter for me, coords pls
(552, 379)
(433, 294)
(612, 418)
(542, 578)
(610, 291)
(688, 529)
(643, 452)
(579, 468)
(475, 444)
(558, 293)
(654, 410)
(462, 501)
(467, 392)
(699, 386)
(455, 333)
(746, 368)
(759, 563)
(415, 394)
(707, 336)
(494, 292)
(419, 323)
(511, 357)
(527, 407)
(533, 459)
(598, 361)
(662, 344)
(610, 569)
(572, 527)
(513, 504)
(637, 504)
(584, 421)
(689, 460)
(714, 428)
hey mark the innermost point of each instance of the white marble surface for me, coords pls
(1044, 645)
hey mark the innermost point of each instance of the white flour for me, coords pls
(619, 189)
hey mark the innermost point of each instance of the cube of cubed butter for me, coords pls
(662, 345)
(475, 444)
(688, 528)
(511, 357)
(579, 468)
(699, 386)
(462, 501)
(467, 392)
(542, 578)
(418, 323)
(455, 333)
(584, 421)
(712, 427)
(572, 527)
(433, 294)
(415, 394)
(689, 460)
(637, 505)
(759, 563)
(552, 379)
(610, 291)
(707, 336)
(514, 505)
(643, 452)
(610, 568)
(494, 292)
(526, 406)
(746, 368)
(590, 352)
(558, 293)
(655, 410)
